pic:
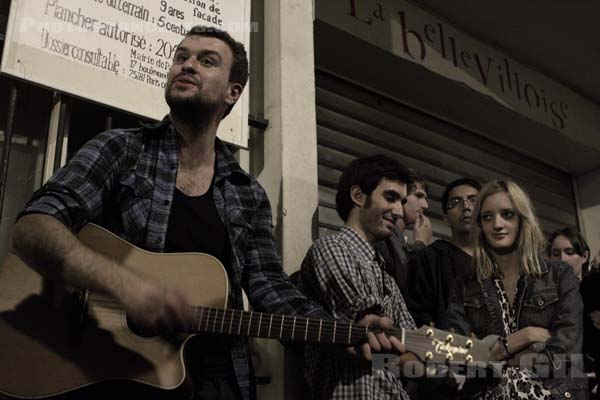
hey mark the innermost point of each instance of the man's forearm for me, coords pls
(50, 248)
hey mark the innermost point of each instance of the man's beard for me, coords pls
(374, 222)
(193, 109)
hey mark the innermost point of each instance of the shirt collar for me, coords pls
(157, 128)
(225, 164)
(361, 245)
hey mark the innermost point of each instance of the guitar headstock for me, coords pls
(432, 345)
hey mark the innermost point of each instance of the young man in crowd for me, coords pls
(343, 273)
(395, 249)
(434, 267)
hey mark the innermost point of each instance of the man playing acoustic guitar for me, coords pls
(172, 187)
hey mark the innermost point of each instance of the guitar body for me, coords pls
(48, 347)
(56, 344)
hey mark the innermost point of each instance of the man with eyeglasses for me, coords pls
(434, 267)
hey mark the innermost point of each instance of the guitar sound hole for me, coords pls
(140, 330)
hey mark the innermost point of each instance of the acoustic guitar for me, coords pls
(55, 342)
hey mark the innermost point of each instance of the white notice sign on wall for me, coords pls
(117, 52)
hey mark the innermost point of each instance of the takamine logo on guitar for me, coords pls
(442, 347)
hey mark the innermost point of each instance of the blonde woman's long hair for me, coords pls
(530, 240)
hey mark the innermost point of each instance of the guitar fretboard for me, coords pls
(436, 347)
(276, 326)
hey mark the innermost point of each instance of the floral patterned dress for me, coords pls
(516, 383)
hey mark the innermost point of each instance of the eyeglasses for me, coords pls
(456, 201)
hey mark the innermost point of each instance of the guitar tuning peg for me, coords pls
(449, 357)
(469, 358)
(469, 343)
(429, 332)
(428, 355)
(449, 339)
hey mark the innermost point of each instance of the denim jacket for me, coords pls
(550, 301)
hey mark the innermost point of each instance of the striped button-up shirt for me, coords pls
(344, 274)
(124, 180)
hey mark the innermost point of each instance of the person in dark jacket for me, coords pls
(590, 287)
(568, 244)
(522, 300)
(433, 268)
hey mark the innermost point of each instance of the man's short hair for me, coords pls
(459, 182)
(417, 181)
(239, 66)
(367, 173)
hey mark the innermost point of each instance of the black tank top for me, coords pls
(195, 226)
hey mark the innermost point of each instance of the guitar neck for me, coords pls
(428, 344)
(276, 326)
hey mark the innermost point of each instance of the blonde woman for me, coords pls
(515, 295)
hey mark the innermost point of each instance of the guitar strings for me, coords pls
(418, 343)
(327, 326)
(415, 341)
(281, 325)
(220, 320)
(327, 330)
(230, 317)
(232, 321)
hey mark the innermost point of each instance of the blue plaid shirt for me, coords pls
(124, 179)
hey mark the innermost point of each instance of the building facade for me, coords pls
(339, 79)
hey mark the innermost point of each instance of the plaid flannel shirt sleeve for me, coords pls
(403, 317)
(329, 274)
(268, 287)
(74, 194)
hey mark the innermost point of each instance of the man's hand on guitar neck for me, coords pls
(377, 342)
(157, 308)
